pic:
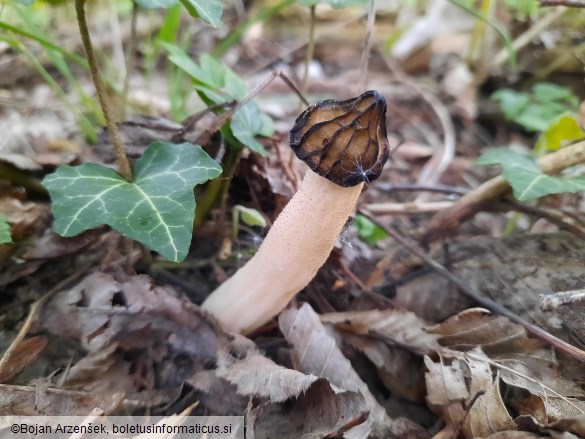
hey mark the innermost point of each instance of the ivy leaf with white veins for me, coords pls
(157, 208)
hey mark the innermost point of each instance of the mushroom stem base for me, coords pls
(296, 246)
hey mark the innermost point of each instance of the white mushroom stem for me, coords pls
(296, 246)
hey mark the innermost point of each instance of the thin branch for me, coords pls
(121, 158)
(408, 208)
(415, 187)
(494, 307)
(442, 157)
(367, 45)
(130, 58)
(552, 217)
(567, 3)
(310, 50)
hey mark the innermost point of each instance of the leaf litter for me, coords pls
(124, 342)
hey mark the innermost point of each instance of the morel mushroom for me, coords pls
(345, 145)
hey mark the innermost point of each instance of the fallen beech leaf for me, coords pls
(399, 370)
(558, 408)
(312, 415)
(488, 414)
(446, 390)
(575, 425)
(467, 380)
(315, 352)
(314, 408)
(539, 374)
(395, 326)
(113, 318)
(478, 327)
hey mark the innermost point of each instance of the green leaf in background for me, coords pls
(5, 236)
(526, 178)
(208, 10)
(24, 2)
(250, 217)
(156, 4)
(157, 208)
(536, 111)
(524, 8)
(217, 84)
(563, 129)
(369, 232)
(247, 123)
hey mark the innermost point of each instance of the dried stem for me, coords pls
(121, 158)
(367, 44)
(310, 51)
(130, 58)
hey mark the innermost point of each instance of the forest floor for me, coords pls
(382, 342)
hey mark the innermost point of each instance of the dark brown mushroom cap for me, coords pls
(343, 141)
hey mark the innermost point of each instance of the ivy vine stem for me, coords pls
(121, 158)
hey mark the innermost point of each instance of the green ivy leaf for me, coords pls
(526, 178)
(217, 84)
(157, 208)
(208, 10)
(5, 236)
(369, 232)
(538, 110)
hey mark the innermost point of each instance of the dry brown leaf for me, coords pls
(558, 408)
(512, 435)
(538, 374)
(111, 318)
(40, 401)
(24, 354)
(467, 396)
(399, 370)
(395, 326)
(313, 409)
(318, 412)
(446, 390)
(315, 352)
(51, 245)
(217, 395)
(496, 335)
(488, 414)
(575, 425)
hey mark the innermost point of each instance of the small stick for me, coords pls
(408, 208)
(567, 3)
(310, 50)
(550, 302)
(442, 157)
(415, 187)
(367, 44)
